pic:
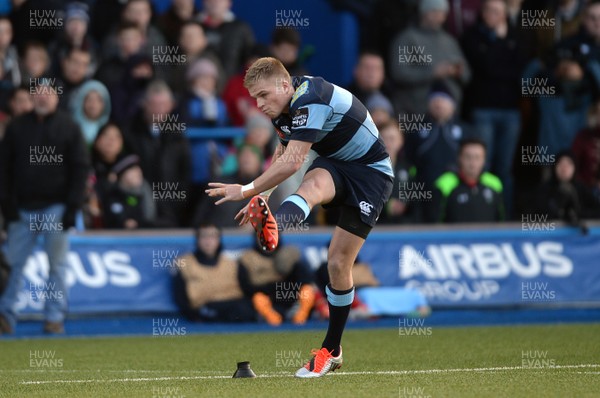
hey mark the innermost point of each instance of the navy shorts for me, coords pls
(360, 190)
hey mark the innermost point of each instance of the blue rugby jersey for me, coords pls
(335, 121)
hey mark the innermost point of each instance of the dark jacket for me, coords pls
(164, 158)
(433, 148)
(497, 64)
(233, 40)
(566, 201)
(43, 162)
(583, 50)
(121, 205)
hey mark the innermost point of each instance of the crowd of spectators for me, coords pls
(515, 82)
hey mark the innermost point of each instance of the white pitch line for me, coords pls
(274, 375)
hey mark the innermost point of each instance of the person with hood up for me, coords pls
(91, 107)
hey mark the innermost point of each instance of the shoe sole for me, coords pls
(258, 213)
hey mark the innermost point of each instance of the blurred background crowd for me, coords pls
(488, 108)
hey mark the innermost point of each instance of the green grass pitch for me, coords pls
(515, 361)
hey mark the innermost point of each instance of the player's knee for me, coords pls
(310, 185)
(310, 190)
(339, 265)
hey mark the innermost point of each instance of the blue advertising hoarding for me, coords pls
(451, 268)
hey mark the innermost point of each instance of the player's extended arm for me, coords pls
(285, 165)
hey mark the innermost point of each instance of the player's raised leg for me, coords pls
(317, 187)
(340, 293)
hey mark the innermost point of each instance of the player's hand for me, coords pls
(242, 215)
(227, 191)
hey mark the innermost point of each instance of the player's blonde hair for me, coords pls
(265, 68)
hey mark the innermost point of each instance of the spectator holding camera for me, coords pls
(43, 170)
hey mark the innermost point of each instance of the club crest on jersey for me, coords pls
(300, 91)
(300, 118)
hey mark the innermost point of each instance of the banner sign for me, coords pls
(451, 268)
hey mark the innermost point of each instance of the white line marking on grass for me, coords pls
(280, 374)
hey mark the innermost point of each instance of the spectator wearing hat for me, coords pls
(43, 170)
(497, 60)
(469, 194)
(423, 54)
(129, 43)
(129, 204)
(90, 107)
(192, 44)
(432, 144)
(202, 107)
(380, 108)
(74, 35)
